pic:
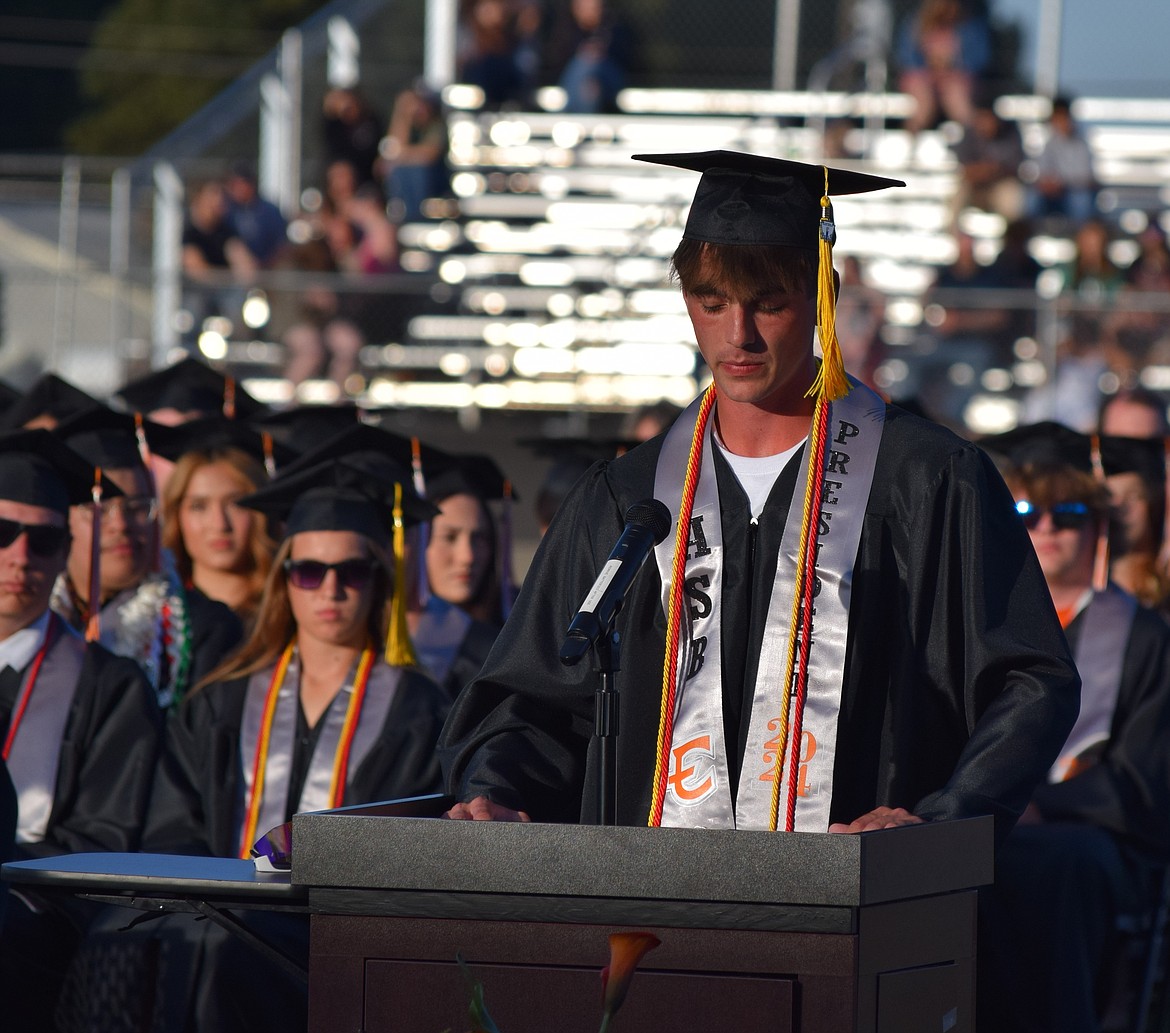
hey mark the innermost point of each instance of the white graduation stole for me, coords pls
(698, 785)
(380, 691)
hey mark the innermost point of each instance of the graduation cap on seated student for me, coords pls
(38, 469)
(335, 495)
(48, 400)
(187, 390)
(569, 459)
(305, 428)
(1050, 444)
(212, 434)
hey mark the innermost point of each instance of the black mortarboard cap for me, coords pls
(1047, 443)
(304, 428)
(38, 469)
(755, 199)
(380, 452)
(217, 432)
(190, 386)
(9, 396)
(48, 395)
(471, 475)
(103, 437)
(333, 496)
(1144, 456)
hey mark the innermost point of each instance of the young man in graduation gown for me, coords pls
(937, 683)
(1089, 841)
(79, 726)
(173, 631)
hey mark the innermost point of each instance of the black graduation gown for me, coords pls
(195, 806)
(1048, 931)
(200, 977)
(216, 630)
(959, 688)
(108, 753)
(107, 763)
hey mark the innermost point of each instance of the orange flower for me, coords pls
(625, 951)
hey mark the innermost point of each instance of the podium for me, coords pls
(873, 933)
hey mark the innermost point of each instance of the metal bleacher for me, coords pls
(551, 257)
(556, 248)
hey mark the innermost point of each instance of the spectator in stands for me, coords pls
(1062, 179)
(489, 51)
(352, 130)
(414, 153)
(1084, 850)
(255, 219)
(861, 314)
(1092, 275)
(216, 262)
(962, 327)
(989, 154)
(588, 54)
(1140, 322)
(942, 49)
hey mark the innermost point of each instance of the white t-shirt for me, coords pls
(756, 474)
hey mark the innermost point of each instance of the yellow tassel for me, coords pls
(831, 382)
(399, 651)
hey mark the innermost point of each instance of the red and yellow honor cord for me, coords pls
(263, 742)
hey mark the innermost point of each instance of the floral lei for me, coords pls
(152, 625)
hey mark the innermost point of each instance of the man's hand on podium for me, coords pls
(482, 809)
(878, 818)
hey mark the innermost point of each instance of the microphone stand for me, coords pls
(607, 702)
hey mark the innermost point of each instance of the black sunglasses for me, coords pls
(1066, 516)
(352, 573)
(43, 539)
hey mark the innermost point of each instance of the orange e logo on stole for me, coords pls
(687, 783)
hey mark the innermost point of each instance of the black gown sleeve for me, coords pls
(996, 676)
(108, 756)
(519, 734)
(215, 632)
(192, 806)
(1128, 790)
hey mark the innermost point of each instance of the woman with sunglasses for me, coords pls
(319, 708)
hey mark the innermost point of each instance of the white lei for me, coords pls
(141, 632)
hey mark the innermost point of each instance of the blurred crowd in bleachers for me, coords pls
(1030, 288)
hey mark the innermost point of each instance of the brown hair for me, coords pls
(260, 545)
(275, 627)
(1049, 484)
(751, 268)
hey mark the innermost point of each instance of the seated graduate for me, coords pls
(451, 579)
(269, 725)
(79, 726)
(936, 682)
(321, 707)
(219, 547)
(144, 611)
(1086, 846)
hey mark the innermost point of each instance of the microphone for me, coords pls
(647, 523)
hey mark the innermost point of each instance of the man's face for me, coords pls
(27, 575)
(758, 346)
(1065, 552)
(128, 530)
